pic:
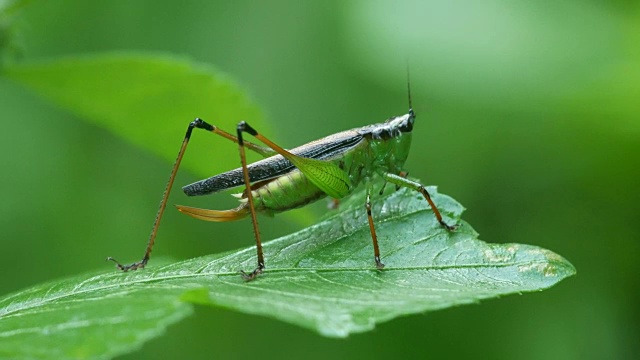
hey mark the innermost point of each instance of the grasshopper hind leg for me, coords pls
(215, 215)
(242, 127)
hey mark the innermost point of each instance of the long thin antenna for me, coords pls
(409, 90)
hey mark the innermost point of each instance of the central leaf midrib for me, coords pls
(276, 270)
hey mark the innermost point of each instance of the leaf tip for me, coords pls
(550, 264)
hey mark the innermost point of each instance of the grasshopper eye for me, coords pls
(407, 125)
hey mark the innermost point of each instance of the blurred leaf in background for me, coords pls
(527, 114)
(148, 99)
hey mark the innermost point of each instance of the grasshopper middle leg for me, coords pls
(374, 237)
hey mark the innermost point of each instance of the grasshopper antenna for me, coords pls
(411, 112)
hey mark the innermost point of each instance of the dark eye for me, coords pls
(407, 126)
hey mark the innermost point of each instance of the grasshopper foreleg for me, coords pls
(402, 181)
(402, 174)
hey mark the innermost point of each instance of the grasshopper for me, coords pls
(286, 179)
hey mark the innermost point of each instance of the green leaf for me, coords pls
(9, 7)
(321, 278)
(148, 99)
(10, 44)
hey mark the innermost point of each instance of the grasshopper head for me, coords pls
(402, 123)
(409, 118)
(393, 127)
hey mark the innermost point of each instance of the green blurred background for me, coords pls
(528, 114)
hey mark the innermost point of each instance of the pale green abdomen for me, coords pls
(286, 192)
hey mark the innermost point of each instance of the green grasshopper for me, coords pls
(286, 179)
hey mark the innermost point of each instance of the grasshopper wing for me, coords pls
(274, 166)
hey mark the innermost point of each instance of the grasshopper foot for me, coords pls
(252, 275)
(379, 264)
(131, 267)
(449, 227)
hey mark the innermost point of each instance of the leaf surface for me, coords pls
(321, 278)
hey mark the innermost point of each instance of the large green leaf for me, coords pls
(322, 278)
(9, 7)
(148, 99)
